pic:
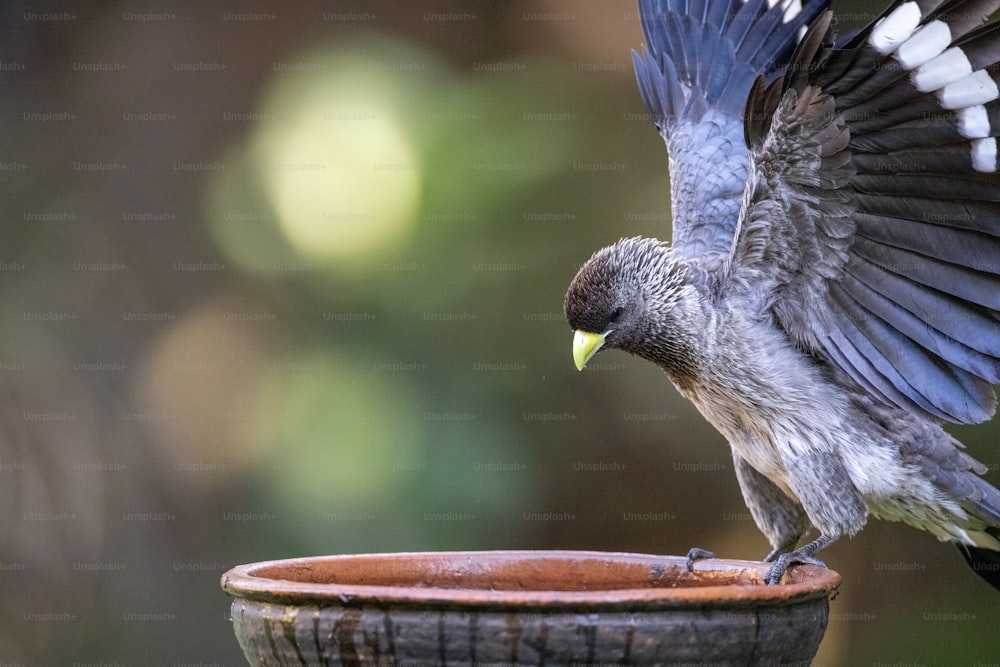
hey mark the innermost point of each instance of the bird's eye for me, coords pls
(616, 315)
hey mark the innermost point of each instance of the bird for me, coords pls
(829, 299)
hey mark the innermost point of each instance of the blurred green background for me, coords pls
(287, 280)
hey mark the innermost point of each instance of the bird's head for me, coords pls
(632, 296)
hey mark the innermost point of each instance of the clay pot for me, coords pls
(525, 607)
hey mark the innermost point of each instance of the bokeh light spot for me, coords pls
(340, 170)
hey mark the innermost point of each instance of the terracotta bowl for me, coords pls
(524, 607)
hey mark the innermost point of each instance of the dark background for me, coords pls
(284, 281)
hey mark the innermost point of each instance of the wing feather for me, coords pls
(960, 246)
(970, 342)
(700, 59)
(973, 285)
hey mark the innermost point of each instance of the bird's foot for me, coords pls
(697, 554)
(803, 555)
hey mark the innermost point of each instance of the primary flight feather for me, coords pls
(831, 294)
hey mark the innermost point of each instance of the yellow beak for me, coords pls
(585, 346)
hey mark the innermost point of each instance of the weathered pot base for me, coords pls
(524, 608)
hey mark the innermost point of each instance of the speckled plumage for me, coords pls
(811, 317)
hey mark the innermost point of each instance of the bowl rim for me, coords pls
(804, 583)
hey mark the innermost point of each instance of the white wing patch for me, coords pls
(950, 66)
(927, 43)
(977, 88)
(984, 155)
(895, 28)
(946, 72)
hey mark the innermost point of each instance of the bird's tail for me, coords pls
(706, 54)
(984, 562)
(982, 500)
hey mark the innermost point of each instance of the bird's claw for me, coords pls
(783, 562)
(776, 571)
(697, 554)
(801, 556)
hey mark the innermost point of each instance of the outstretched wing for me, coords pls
(872, 211)
(700, 60)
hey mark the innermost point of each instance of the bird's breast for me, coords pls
(763, 394)
(749, 431)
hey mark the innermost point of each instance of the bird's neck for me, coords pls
(681, 339)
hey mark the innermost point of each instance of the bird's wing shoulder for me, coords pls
(699, 62)
(870, 225)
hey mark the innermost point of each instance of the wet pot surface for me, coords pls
(525, 607)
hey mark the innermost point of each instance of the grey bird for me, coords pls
(831, 294)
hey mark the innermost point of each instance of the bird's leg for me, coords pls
(803, 554)
(786, 546)
(697, 554)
